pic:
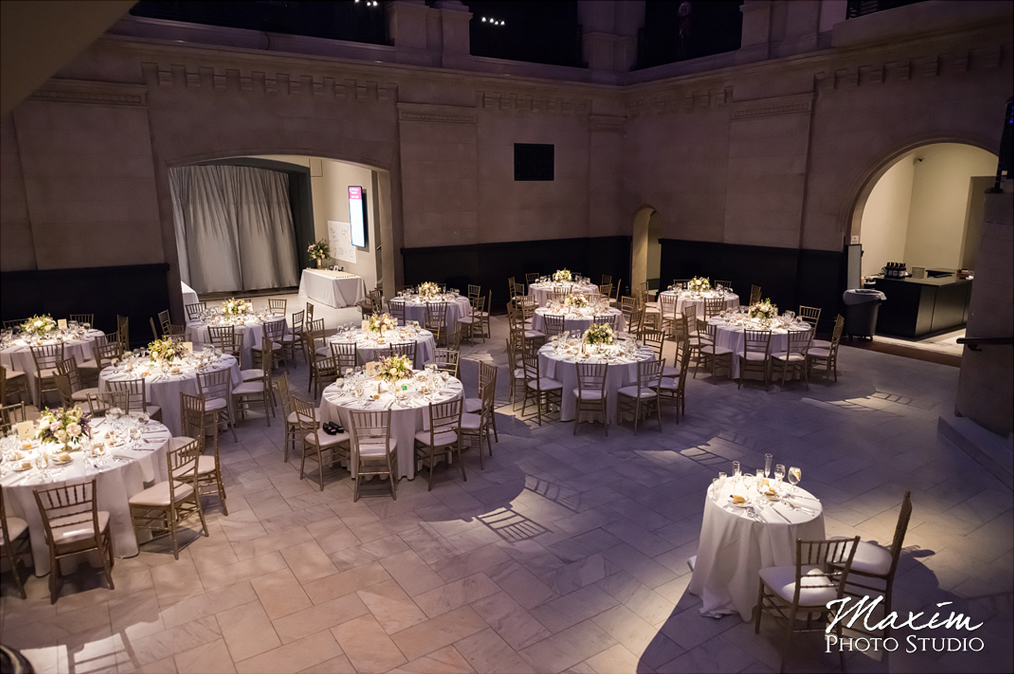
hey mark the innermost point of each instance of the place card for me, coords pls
(61, 324)
(189, 346)
(26, 429)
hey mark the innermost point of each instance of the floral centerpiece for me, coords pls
(234, 307)
(39, 326)
(763, 309)
(63, 426)
(428, 289)
(575, 301)
(319, 251)
(699, 284)
(394, 368)
(380, 322)
(561, 275)
(166, 350)
(599, 333)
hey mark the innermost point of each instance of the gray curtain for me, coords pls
(234, 228)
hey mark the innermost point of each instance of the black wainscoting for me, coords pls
(491, 264)
(137, 291)
(788, 276)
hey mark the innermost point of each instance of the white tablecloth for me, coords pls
(18, 356)
(164, 390)
(457, 307)
(685, 299)
(116, 482)
(407, 418)
(189, 295)
(334, 288)
(562, 367)
(543, 292)
(734, 546)
(252, 331)
(367, 344)
(579, 319)
(731, 337)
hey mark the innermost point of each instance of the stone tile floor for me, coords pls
(567, 553)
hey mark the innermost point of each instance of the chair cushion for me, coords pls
(328, 440)
(473, 404)
(323, 351)
(180, 441)
(70, 533)
(669, 384)
(712, 350)
(81, 395)
(822, 343)
(253, 373)
(293, 419)
(249, 388)
(471, 422)
(212, 404)
(88, 365)
(632, 392)
(15, 527)
(791, 356)
(545, 384)
(817, 589)
(670, 371)
(818, 352)
(443, 438)
(589, 394)
(206, 464)
(158, 494)
(871, 559)
(47, 373)
(533, 334)
(13, 374)
(753, 355)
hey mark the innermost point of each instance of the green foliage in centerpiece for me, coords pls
(166, 350)
(428, 289)
(394, 368)
(320, 250)
(562, 275)
(63, 426)
(380, 322)
(599, 333)
(39, 326)
(234, 307)
(763, 309)
(699, 284)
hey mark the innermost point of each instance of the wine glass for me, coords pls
(736, 472)
(779, 473)
(767, 465)
(795, 475)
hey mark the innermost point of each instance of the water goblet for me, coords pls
(779, 472)
(767, 465)
(721, 478)
(736, 472)
(795, 475)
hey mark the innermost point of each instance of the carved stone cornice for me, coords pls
(92, 93)
(441, 114)
(955, 63)
(535, 103)
(679, 100)
(767, 107)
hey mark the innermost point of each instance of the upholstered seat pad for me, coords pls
(533, 334)
(471, 422)
(753, 355)
(293, 418)
(88, 365)
(15, 527)
(872, 559)
(589, 394)
(327, 440)
(70, 529)
(376, 449)
(473, 404)
(180, 441)
(791, 356)
(249, 388)
(818, 352)
(669, 384)
(212, 404)
(158, 494)
(252, 373)
(441, 439)
(822, 343)
(635, 392)
(81, 395)
(47, 373)
(545, 384)
(713, 350)
(670, 371)
(817, 588)
(12, 374)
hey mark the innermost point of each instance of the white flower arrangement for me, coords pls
(380, 322)
(763, 309)
(575, 301)
(166, 350)
(39, 326)
(599, 333)
(561, 275)
(63, 426)
(234, 307)
(394, 368)
(428, 289)
(699, 284)
(320, 250)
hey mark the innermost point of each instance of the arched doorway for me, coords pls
(924, 208)
(646, 251)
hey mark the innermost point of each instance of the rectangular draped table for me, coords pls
(334, 288)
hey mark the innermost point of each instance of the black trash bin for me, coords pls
(861, 308)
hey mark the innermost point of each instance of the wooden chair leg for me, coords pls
(760, 607)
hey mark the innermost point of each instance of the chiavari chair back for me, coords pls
(317, 443)
(756, 356)
(642, 398)
(591, 393)
(443, 435)
(755, 294)
(373, 450)
(195, 310)
(82, 319)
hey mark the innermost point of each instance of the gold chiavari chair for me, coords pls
(531, 278)
(446, 360)
(629, 309)
(642, 398)
(673, 389)
(606, 290)
(655, 340)
(165, 505)
(123, 331)
(216, 389)
(756, 356)
(407, 349)
(612, 320)
(552, 325)
(276, 305)
(164, 320)
(257, 390)
(667, 304)
(10, 415)
(615, 299)
(474, 292)
(346, 355)
(810, 314)
(273, 331)
(323, 371)
(794, 357)
(292, 440)
(397, 310)
(79, 393)
(154, 330)
(224, 337)
(293, 337)
(725, 284)
(755, 294)
(105, 354)
(591, 393)
(374, 451)
(607, 278)
(827, 356)
(545, 392)
(16, 543)
(82, 319)
(209, 466)
(515, 369)
(317, 443)
(46, 357)
(63, 389)
(477, 424)
(710, 353)
(309, 312)
(74, 525)
(13, 381)
(436, 319)
(137, 399)
(444, 435)
(487, 378)
(469, 323)
(713, 306)
(195, 310)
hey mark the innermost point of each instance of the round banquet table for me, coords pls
(730, 335)
(576, 319)
(17, 355)
(164, 389)
(736, 543)
(561, 365)
(686, 299)
(123, 473)
(543, 292)
(251, 327)
(368, 343)
(415, 308)
(408, 416)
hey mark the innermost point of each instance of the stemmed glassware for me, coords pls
(767, 465)
(779, 473)
(795, 475)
